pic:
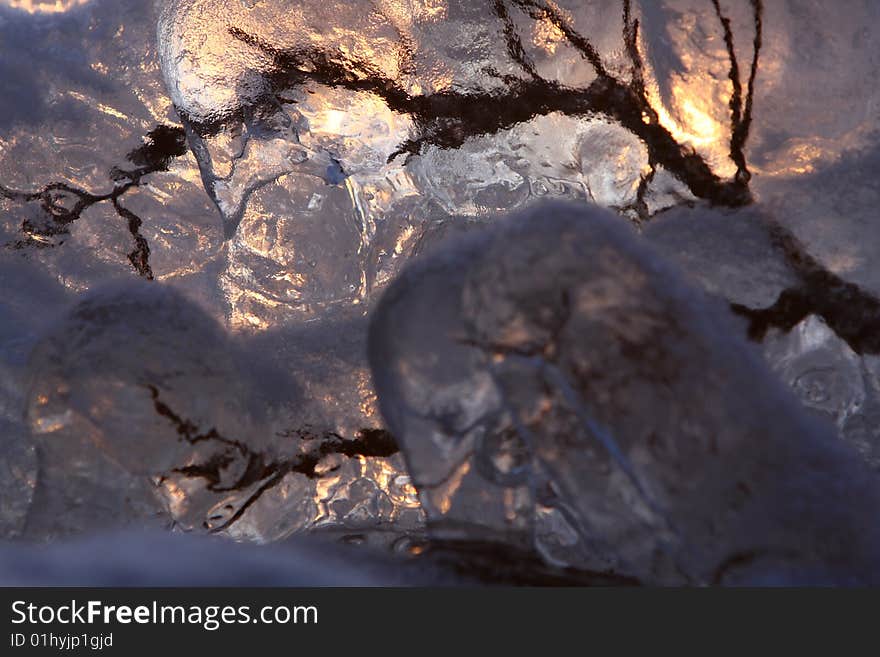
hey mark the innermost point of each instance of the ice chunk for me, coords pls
(132, 383)
(144, 414)
(123, 364)
(730, 254)
(551, 372)
(291, 111)
(821, 368)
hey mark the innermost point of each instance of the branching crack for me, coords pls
(63, 204)
(447, 119)
(741, 117)
(848, 310)
(260, 469)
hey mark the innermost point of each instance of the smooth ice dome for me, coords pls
(123, 364)
(133, 384)
(135, 390)
(551, 365)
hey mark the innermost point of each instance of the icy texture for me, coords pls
(369, 127)
(105, 388)
(98, 185)
(271, 87)
(366, 129)
(116, 149)
(863, 429)
(137, 390)
(822, 370)
(18, 478)
(832, 380)
(729, 253)
(84, 121)
(554, 363)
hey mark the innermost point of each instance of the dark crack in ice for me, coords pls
(449, 119)
(850, 311)
(63, 204)
(261, 469)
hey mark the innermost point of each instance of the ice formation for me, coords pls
(402, 114)
(271, 165)
(552, 364)
(137, 390)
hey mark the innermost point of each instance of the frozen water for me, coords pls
(533, 100)
(100, 124)
(119, 391)
(244, 159)
(369, 128)
(122, 363)
(18, 478)
(821, 368)
(863, 429)
(136, 389)
(832, 380)
(551, 372)
(729, 253)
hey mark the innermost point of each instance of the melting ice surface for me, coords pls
(271, 165)
(553, 383)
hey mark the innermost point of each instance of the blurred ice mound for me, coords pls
(119, 391)
(553, 384)
(142, 414)
(138, 558)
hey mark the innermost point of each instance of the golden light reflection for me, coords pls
(805, 156)
(547, 36)
(325, 488)
(51, 423)
(442, 495)
(405, 13)
(106, 109)
(703, 129)
(347, 119)
(369, 401)
(691, 121)
(44, 6)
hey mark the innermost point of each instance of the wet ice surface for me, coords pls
(574, 376)
(271, 166)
